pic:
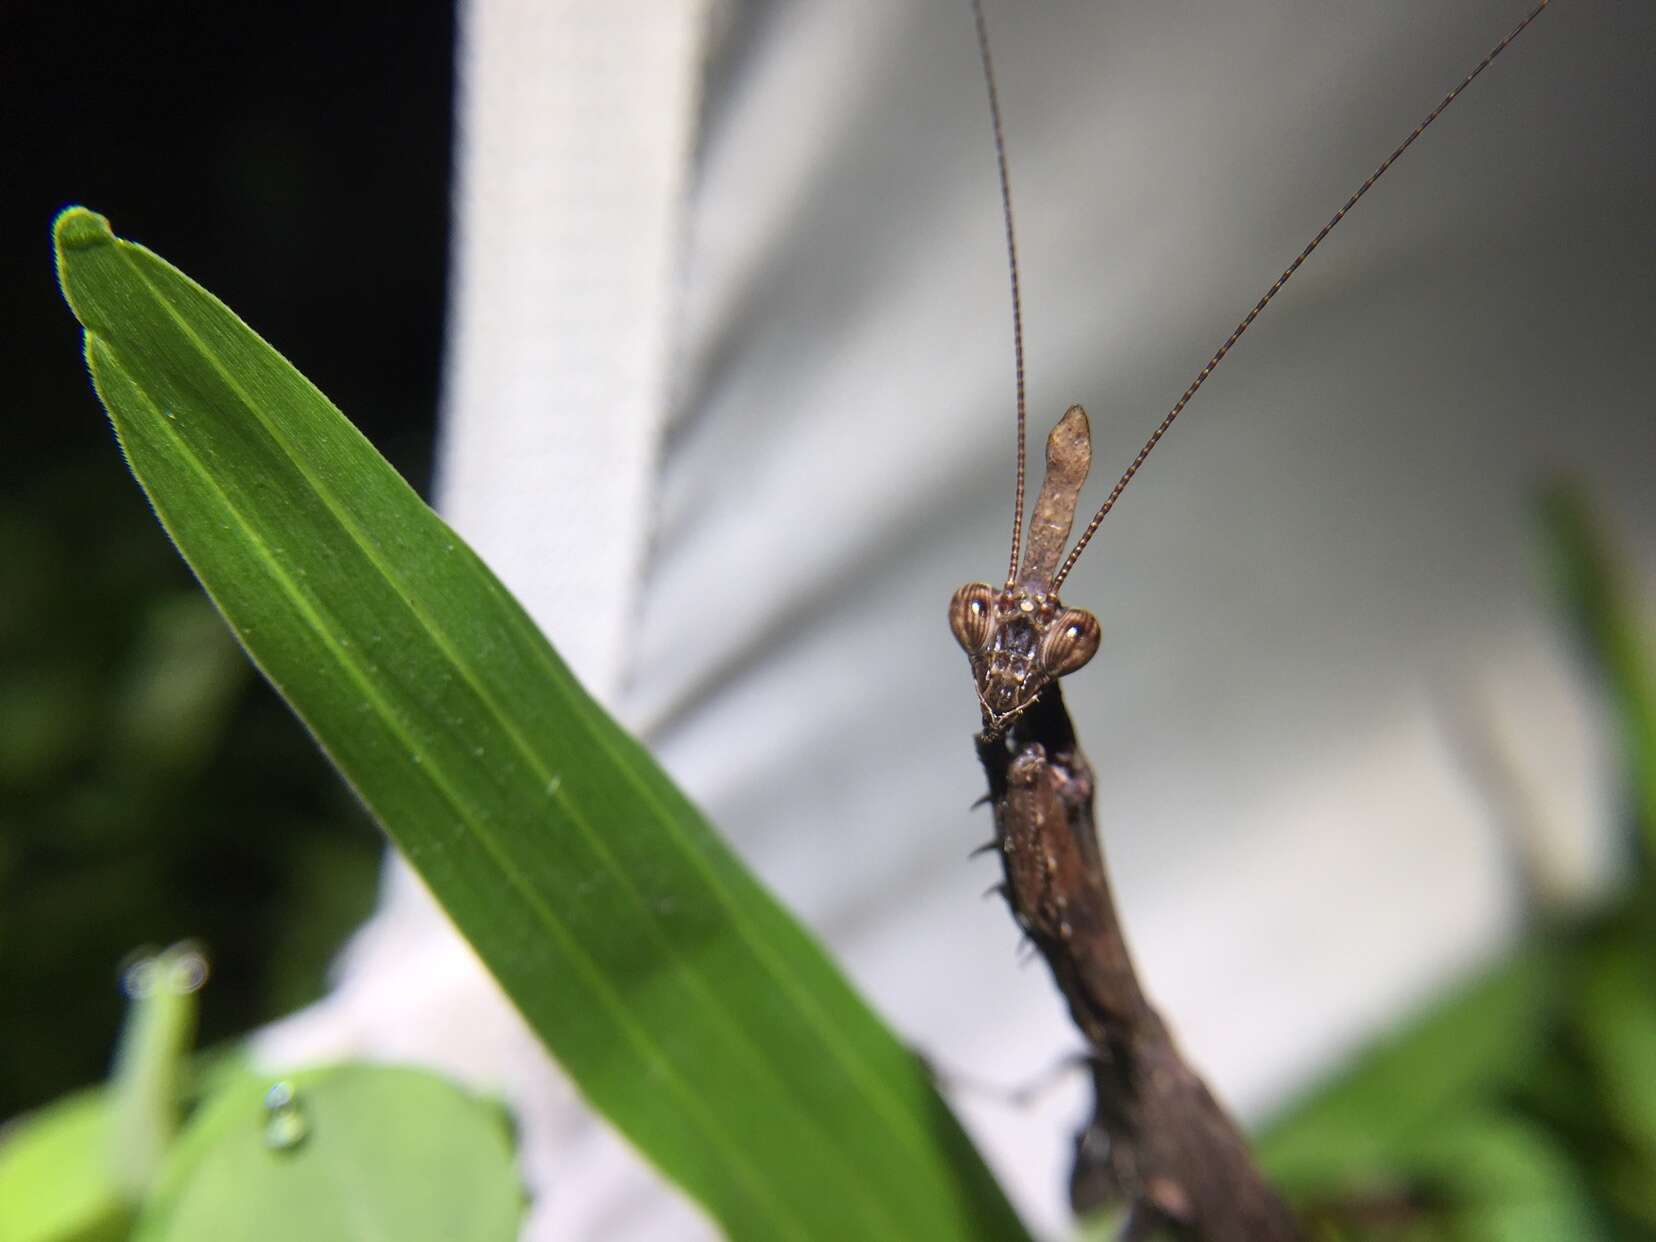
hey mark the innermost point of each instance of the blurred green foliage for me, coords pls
(1523, 1107)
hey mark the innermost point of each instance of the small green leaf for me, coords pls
(352, 1152)
(56, 1184)
(684, 1001)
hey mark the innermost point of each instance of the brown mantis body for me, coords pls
(1158, 1140)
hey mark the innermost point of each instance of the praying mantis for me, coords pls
(1158, 1140)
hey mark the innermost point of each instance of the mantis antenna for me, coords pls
(1236, 333)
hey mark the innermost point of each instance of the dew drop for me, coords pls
(285, 1126)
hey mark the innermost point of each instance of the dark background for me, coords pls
(295, 162)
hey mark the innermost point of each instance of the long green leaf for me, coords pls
(685, 1002)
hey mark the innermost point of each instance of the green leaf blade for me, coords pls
(687, 1004)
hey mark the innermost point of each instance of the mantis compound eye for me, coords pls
(971, 616)
(1070, 641)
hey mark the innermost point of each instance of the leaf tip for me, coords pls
(77, 228)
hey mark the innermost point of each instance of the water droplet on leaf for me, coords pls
(285, 1126)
